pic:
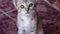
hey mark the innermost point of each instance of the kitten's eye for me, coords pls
(30, 5)
(22, 6)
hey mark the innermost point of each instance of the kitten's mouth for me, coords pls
(27, 12)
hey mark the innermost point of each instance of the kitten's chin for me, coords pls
(24, 13)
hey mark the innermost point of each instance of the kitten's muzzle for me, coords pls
(27, 10)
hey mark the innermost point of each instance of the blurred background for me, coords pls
(50, 17)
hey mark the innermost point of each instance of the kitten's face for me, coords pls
(26, 6)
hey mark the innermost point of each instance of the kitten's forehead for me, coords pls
(28, 1)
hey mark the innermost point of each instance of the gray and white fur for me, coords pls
(27, 19)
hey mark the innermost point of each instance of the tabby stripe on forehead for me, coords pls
(25, 1)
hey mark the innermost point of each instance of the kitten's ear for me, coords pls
(15, 3)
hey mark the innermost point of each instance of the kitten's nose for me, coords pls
(27, 9)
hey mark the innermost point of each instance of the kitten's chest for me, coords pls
(27, 19)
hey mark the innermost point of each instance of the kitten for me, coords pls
(27, 17)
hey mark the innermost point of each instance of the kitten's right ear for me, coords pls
(15, 3)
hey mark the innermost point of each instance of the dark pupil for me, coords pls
(22, 6)
(30, 5)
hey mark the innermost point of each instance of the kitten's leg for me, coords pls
(33, 32)
(20, 31)
(20, 25)
(30, 30)
(37, 31)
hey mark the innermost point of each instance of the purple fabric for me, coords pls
(50, 17)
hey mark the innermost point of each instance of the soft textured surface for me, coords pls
(50, 17)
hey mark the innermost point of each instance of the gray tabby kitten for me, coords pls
(27, 17)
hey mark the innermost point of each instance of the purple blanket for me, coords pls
(50, 17)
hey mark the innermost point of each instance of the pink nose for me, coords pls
(27, 9)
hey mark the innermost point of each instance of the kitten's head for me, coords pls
(25, 6)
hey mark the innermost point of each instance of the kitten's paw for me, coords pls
(33, 33)
(20, 32)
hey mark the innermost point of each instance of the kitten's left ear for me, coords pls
(15, 3)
